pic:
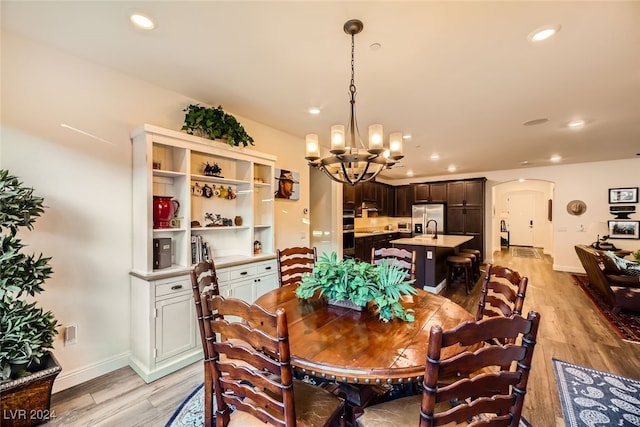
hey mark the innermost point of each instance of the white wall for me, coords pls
(86, 184)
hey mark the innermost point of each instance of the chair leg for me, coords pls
(467, 279)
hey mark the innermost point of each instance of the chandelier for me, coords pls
(353, 162)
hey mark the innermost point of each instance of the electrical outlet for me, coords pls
(429, 255)
(71, 334)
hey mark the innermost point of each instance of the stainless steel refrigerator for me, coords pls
(421, 213)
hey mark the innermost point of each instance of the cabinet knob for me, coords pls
(176, 287)
(268, 268)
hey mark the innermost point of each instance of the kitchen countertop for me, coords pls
(375, 233)
(443, 241)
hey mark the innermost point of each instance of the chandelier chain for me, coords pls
(349, 164)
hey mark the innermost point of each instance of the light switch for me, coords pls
(429, 255)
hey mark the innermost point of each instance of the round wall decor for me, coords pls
(576, 207)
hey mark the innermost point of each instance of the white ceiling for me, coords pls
(460, 77)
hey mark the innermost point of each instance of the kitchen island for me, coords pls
(431, 256)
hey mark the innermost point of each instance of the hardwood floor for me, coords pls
(570, 330)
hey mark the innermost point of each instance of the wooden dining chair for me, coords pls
(251, 370)
(495, 397)
(401, 257)
(503, 292)
(294, 262)
(204, 280)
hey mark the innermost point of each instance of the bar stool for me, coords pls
(477, 261)
(459, 264)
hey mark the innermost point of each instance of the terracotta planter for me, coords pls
(27, 401)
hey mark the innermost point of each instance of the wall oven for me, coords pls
(348, 233)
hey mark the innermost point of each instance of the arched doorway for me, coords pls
(522, 208)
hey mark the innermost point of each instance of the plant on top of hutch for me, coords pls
(214, 123)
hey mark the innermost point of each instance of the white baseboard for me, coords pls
(568, 269)
(68, 379)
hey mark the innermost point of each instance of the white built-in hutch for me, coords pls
(164, 330)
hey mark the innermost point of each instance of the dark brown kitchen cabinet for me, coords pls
(465, 211)
(348, 196)
(430, 192)
(364, 245)
(385, 200)
(363, 248)
(404, 200)
(368, 191)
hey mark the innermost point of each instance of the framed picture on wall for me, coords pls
(623, 229)
(287, 184)
(623, 195)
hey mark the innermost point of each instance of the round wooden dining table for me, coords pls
(350, 346)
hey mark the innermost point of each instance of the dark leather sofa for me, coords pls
(622, 292)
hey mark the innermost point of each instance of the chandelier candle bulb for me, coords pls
(395, 145)
(376, 139)
(337, 139)
(313, 148)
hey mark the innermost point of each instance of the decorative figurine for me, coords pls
(212, 170)
(257, 247)
(232, 194)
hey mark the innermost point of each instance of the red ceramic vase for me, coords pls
(164, 207)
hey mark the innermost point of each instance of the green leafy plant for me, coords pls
(636, 255)
(214, 123)
(26, 331)
(360, 283)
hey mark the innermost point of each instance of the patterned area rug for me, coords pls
(524, 252)
(595, 398)
(625, 323)
(189, 413)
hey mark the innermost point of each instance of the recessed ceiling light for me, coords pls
(536, 122)
(314, 111)
(375, 46)
(452, 168)
(543, 33)
(435, 156)
(555, 158)
(520, 179)
(524, 162)
(576, 124)
(406, 136)
(409, 172)
(142, 21)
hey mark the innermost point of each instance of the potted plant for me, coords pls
(27, 368)
(214, 123)
(360, 283)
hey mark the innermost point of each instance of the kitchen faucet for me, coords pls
(435, 230)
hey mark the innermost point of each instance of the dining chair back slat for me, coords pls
(497, 395)
(294, 262)
(250, 366)
(401, 257)
(489, 383)
(503, 292)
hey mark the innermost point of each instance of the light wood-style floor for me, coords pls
(571, 330)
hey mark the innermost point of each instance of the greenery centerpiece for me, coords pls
(26, 330)
(636, 255)
(214, 123)
(360, 282)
